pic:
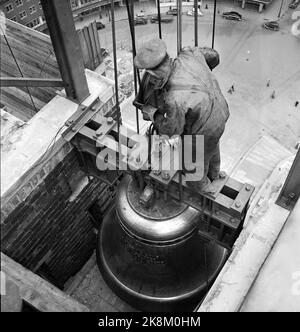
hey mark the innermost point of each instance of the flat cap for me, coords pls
(150, 54)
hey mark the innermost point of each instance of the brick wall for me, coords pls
(46, 225)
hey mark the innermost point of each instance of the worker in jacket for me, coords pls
(182, 97)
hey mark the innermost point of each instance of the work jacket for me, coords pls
(191, 101)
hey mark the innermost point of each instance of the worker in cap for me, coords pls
(181, 96)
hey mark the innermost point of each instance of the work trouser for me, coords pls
(211, 169)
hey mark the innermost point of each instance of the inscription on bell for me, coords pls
(139, 254)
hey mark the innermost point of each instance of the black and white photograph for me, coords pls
(150, 160)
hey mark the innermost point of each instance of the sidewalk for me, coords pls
(149, 7)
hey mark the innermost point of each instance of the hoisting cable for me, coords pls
(179, 47)
(214, 25)
(196, 22)
(179, 23)
(113, 29)
(159, 19)
(136, 75)
(20, 71)
(206, 269)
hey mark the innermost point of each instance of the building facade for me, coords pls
(26, 12)
(30, 12)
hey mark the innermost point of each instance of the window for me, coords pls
(22, 14)
(32, 9)
(19, 2)
(13, 18)
(74, 3)
(33, 23)
(9, 8)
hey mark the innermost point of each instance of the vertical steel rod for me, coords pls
(134, 69)
(279, 13)
(113, 29)
(214, 25)
(159, 19)
(179, 26)
(136, 76)
(196, 22)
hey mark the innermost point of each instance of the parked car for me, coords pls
(191, 12)
(104, 52)
(163, 19)
(294, 4)
(140, 21)
(172, 11)
(235, 16)
(140, 14)
(271, 25)
(100, 25)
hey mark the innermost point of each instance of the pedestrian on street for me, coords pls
(273, 94)
(296, 103)
(268, 83)
(232, 88)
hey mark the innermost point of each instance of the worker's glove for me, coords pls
(148, 112)
(174, 141)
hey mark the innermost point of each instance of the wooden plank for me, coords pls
(38, 292)
(29, 82)
(89, 48)
(97, 40)
(93, 46)
(83, 44)
(35, 56)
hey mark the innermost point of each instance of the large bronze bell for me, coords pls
(153, 258)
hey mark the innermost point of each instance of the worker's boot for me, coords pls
(202, 187)
(216, 175)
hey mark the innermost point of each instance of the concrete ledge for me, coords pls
(33, 140)
(251, 249)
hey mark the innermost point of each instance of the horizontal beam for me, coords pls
(30, 82)
(36, 291)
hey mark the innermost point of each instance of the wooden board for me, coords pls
(36, 58)
(38, 292)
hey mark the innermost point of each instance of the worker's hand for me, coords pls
(138, 154)
(148, 112)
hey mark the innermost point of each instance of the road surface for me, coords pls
(250, 56)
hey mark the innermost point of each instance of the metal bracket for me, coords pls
(222, 214)
(80, 118)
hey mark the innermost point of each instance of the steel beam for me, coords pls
(30, 82)
(59, 18)
(223, 213)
